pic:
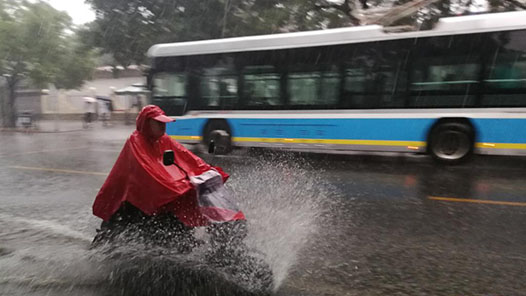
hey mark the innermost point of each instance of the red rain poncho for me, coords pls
(140, 178)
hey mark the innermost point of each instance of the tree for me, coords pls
(505, 5)
(127, 28)
(403, 12)
(35, 45)
(75, 65)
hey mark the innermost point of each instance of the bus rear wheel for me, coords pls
(451, 142)
(216, 128)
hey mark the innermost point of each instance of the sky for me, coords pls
(79, 11)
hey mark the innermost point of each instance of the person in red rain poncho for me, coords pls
(141, 194)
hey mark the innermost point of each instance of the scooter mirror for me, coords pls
(211, 147)
(168, 157)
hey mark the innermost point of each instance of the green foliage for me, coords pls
(76, 65)
(127, 28)
(506, 5)
(36, 43)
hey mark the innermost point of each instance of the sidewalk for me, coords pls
(50, 126)
(64, 126)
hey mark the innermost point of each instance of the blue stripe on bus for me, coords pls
(335, 129)
(392, 129)
(500, 130)
(186, 127)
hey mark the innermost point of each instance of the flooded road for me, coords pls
(327, 225)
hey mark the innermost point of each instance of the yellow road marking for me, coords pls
(58, 170)
(43, 151)
(479, 201)
(105, 150)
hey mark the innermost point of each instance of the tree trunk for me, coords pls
(2, 104)
(10, 108)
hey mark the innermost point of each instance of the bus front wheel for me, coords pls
(451, 142)
(212, 129)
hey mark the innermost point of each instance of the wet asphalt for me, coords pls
(361, 224)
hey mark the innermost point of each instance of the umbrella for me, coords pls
(89, 100)
(135, 89)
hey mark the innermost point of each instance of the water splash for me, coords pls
(283, 199)
(46, 256)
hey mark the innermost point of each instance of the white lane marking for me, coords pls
(42, 151)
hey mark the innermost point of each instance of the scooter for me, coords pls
(171, 250)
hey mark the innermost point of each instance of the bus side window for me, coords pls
(169, 92)
(505, 78)
(314, 88)
(446, 77)
(261, 86)
(219, 87)
(357, 88)
(169, 85)
(446, 72)
(374, 75)
(448, 82)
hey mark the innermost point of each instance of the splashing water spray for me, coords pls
(282, 198)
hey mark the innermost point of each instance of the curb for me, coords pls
(36, 131)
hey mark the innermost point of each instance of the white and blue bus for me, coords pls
(452, 91)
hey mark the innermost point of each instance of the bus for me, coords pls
(452, 91)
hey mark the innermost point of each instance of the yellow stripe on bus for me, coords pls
(192, 138)
(327, 141)
(500, 145)
(412, 144)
